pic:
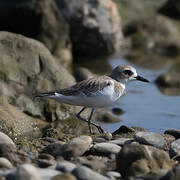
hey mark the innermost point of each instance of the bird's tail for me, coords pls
(44, 94)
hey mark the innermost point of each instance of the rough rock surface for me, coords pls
(41, 20)
(134, 159)
(27, 67)
(95, 26)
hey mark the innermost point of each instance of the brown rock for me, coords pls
(134, 159)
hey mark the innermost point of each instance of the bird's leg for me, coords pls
(96, 125)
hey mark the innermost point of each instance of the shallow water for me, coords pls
(145, 105)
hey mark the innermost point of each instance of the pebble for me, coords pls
(105, 148)
(5, 163)
(85, 173)
(107, 136)
(4, 139)
(64, 176)
(122, 141)
(150, 138)
(76, 147)
(175, 148)
(99, 140)
(113, 175)
(47, 173)
(173, 132)
(45, 160)
(65, 166)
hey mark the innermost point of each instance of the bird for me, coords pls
(96, 92)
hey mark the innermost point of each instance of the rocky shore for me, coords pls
(43, 45)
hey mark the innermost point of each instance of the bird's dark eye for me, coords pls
(128, 72)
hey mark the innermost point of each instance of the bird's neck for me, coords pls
(121, 81)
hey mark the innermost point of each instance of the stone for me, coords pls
(85, 173)
(150, 138)
(64, 176)
(134, 160)
(4, 139)
(113, 175)
(47, 173)
(105, 148)
(123, 129)
(174, 174)
(44, 160)
(26, 171)
(175, 148)
(5, 163)
(65, 166)
(122, 141)
(92, 22)
(173, 132)
(107, 136)
(99, 140)
(76, 147)
(40, 20)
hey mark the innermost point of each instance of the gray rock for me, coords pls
(26, 171)
(173, 132)
(134, 160)
(92, 21)
(113, 175)
(76, 147)
(122, 141)
(44, 160)
(65, 166)
(107, 136)
(5, 163)
(85, 173)
(175, 148)
(4, 139)
(99, 140)
(47, 173)
(105, 148)
(64, 176)
(150, 138)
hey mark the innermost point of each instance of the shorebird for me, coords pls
(96, 92)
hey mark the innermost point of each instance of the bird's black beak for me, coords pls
(139, 78)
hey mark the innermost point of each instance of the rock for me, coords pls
(44, 160)
(173, 132)
(82, 73)
(171, 9)
(107, 136)
(105, 148)
(25, 171)
(99, 140)
(153, 48)
(175, 148)
(4, 139)
(150, 138)
(92, 22)
(84, 173)
(47, 173)
(113, 174)
(30, 68)
(174, 174)
(41, 20)
(122, 141)
(17, 124)
(76, 147)
(169, 83)
(134, 159)
(64, 176)
(65, 166)
(5, 163)
(124, 129)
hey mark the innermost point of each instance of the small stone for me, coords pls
(113, 174)
(47, 173)
(76, 147)
(150, 138)
(107, 136)
(65, 166)
(173, 132)
(26, 171)
(99, 140)
(5, 163)
(45, 160)
(105, 148)
(4, 139)
(122, 141)
(124, 129)
(175, 148)
(85, 173)
(64, 176)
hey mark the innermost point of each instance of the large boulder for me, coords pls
(41, 20)
(27, 67)
(95, 26)
(154, 42)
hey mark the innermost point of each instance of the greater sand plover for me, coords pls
(96, 92)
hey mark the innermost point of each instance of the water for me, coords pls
(145, 105)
